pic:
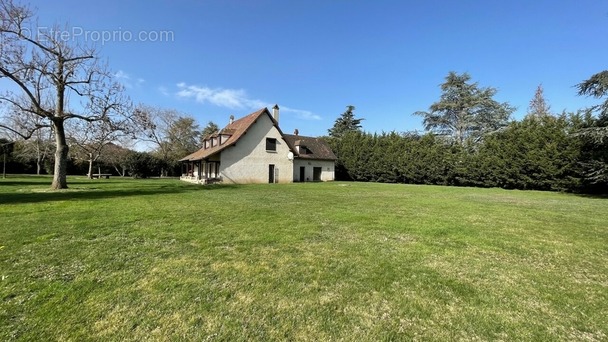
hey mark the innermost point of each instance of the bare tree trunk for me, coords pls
(90, 173)
(61, 156)
(38, 156)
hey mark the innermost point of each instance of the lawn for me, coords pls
(125, 259)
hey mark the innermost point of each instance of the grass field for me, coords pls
(124, 259)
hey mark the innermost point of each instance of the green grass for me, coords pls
(123, 259)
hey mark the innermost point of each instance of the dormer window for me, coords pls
(206, 143)
(271, 144)
(303, 150)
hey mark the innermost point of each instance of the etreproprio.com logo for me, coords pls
(77, 33)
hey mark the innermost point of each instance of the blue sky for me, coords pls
(314, 58)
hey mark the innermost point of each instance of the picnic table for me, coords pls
(100, 175)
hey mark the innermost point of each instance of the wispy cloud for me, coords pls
(163, 90)
(233, 99)
(127, 80)
(302, 114)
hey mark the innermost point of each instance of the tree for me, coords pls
(535, 153)
(182, 137)
(173, 134)
(538, 105)
(143, 164)
(39, 146)
(465, 110)
(345, 123)
(6, 147)
(37, 149)
(211, 128)
(118, 157)
(596, 86)
(90, 139)
(58, 79)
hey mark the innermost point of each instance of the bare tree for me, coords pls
(40, 143)
(37, 149)
(58, 79)
(117, 156)
(6, 147)
(90, 139)
(172, 133)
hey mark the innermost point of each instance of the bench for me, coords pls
(101, 175)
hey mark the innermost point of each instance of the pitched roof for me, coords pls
(237, 128)
(318, 147)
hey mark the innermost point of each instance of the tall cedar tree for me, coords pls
(346, 123)
(596, 86)
(465, 110)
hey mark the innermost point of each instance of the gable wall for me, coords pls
(248, 160)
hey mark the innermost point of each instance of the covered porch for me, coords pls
(201, 171)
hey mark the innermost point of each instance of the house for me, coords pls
(253, 149)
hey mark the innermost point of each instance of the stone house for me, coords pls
(253, 149)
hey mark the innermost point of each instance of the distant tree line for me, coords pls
(470, 142)
(167, 135)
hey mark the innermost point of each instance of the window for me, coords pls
(271, 144)
(304, 150)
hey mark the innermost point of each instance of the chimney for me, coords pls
(231, 119)
(275, 113)
(296, 132)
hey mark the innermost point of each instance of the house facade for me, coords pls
(253, 149)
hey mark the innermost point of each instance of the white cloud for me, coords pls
(302, 114)
(128, 81)
(163, 90)
(233, 99)
(228, 98)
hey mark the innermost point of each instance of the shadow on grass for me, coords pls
(75, 194)
(20, 183)
(596, 196)
(71, 183)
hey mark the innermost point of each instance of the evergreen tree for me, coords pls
(596, 86)
(211, 128)
(538, 105)
(465, 110)
(345, 123)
